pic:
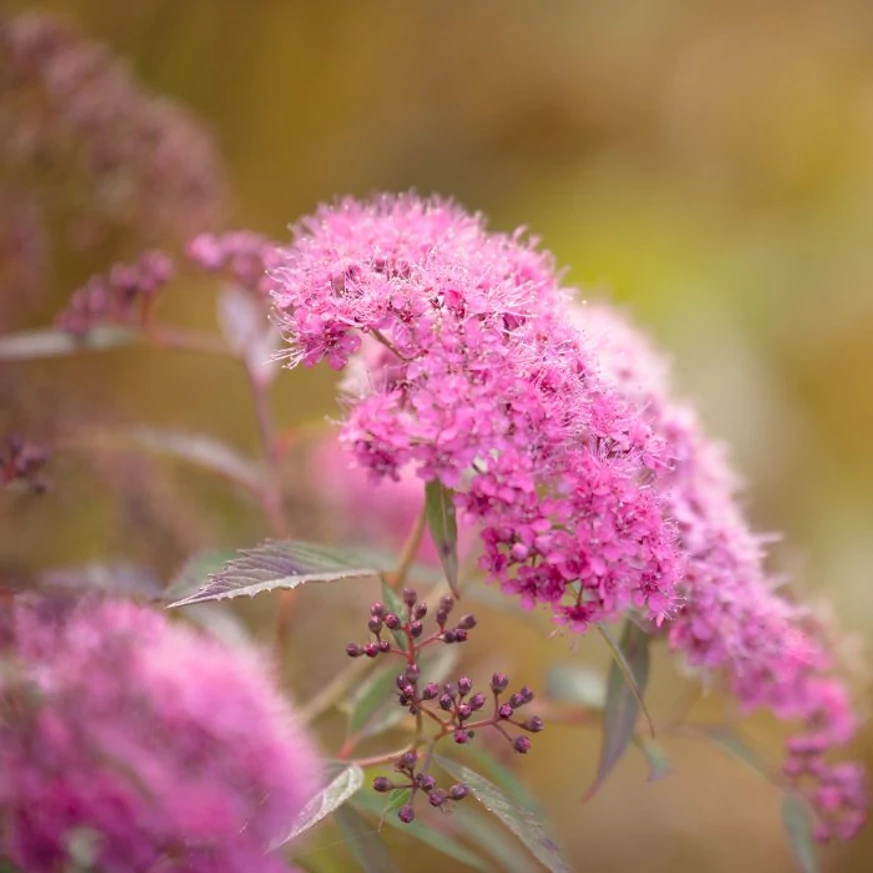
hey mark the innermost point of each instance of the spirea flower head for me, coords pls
(773, 650)
(483, 385)
(166, 749)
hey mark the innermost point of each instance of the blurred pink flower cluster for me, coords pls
(153, 746)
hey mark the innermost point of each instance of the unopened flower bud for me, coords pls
(461, 737)
(505, 710)
(371, 650)
(416, 629)
(446, 703)
(353, 650)
(374, 625)
(381, 784)
(465, 685)
(459, 791)
(409, 596)
(420, 611)
(467, 622)
(438, 798)
(392, 621)
(377, 610)
(521, 745)
(499, 681)
(407, 760)
(431, 690)
(534, 724)
(406, 814)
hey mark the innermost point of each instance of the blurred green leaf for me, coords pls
(516, 817)
(418, 830)
(733, 744)
(339, 790)
(576, 683)
(656, 758)
(443, 529)
(52, 343)
(202, 450)
(491, 838)
(365, 844)
(797, 820)
(278, 564)
(628, 675)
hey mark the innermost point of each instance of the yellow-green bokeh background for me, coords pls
(710, 164)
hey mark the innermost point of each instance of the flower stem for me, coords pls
(410, 550)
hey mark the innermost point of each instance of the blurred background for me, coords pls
(708, 165)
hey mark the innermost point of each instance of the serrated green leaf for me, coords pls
(278, 564)
(491, 838)
(365, 844)
(443, 528)
(576, 683)
(656, 758)
(516, 817)
(52, 342)
(418, 830)
(626, 683)
(192, 575)
(797, 821)
(338, 791)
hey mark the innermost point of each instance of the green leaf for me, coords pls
(201, 450)
(418, 830)
(194, 572)
(375, 707)
(365, 844)
(656, 758)
(797, 820)
(491, 838)
(278, 564)
(507, 781)
(517, 818)
(733, 744)
(443, 529)
(339, 790)
(575, 683)
(394, 604)
(50, 342)
(626, 682)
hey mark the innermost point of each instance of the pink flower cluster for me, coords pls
(734, 617)
(243, 254)
(482, 384)
(161, 748)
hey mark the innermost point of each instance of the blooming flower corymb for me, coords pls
(484, 386)
(163, 748)
(734, 618)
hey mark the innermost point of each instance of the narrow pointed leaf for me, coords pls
(524, 823)
(394, 604)
(277, 564)
(797, 820)
(656, 758)
(369, 802)
(52, 343)
(735, 745)
(365, 844)
(443, 529)
(338, 791)
(576, 683)
(486, 764)
(490, 837)
(199, 449)
(626, 682)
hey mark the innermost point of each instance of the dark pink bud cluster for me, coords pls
(126, 158)
(414, 778)
(23, 463)
(485, 386)
(410, 624)
(119, 296)
(246, 256)
(735, 616)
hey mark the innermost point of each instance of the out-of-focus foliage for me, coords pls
(710, 164)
